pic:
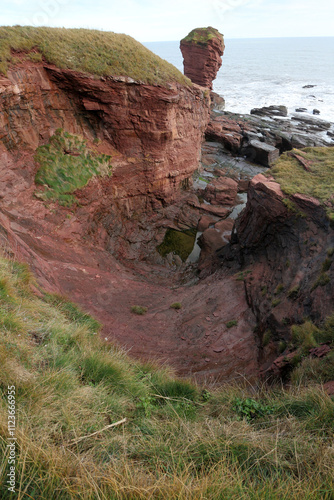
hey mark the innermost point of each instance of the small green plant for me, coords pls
(322, 280)
(242, 275)
(176, 305)
(304, 335)
(146, 404)
(140, 310)
(231, 323)
(326, 264)
(294, 292)
(250, 409)
(264, 290)
(279, 289)
(275, 302)
(267, 336)
(290, 205)
(282, 346)
(330, 252)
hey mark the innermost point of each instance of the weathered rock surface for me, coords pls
(270, 111)
(154, 133)
(202, 52)
(282, 247)
(222, 191)
(212, 240)
(237, 134)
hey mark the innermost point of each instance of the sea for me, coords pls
(259, 72)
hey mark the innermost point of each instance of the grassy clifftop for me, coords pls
(312, 174)
(172, 439)
(90, 51)
(202, 36)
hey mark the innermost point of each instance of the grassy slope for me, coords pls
(89, 51)
(178, 442)
(319, 182)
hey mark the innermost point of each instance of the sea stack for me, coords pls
(202, 51)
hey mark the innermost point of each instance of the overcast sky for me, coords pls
(159, 20)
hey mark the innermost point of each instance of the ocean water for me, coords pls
(270, 71)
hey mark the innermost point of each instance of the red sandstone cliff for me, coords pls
(153, 133)
(202, 51)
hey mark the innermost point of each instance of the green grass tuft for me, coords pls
(140, 310)
(100, 53)
(176, 305)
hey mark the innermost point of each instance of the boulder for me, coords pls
(205, 223)
(217, 102)
(270, 111)
(222, 191)
(212, 240)
(262, 153)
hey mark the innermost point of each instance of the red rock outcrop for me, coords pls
(202, 51)
(284, 248)
(154, 133)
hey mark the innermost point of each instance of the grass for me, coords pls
(176, 305)
(294, 292)
(305, 337)
(65, 165)
(318, 183)
(140, 310)
(202, 36)
(322, 280)
(99, 53)
(231, 323)
(179, 441)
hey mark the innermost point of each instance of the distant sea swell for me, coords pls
(265, 71)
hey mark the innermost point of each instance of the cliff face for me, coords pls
(153, 133)
(202, 52)
(285, 246)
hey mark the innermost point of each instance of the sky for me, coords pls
(164, 20)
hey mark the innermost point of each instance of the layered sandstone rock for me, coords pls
(284, 245)
(202, 51)
(153, 132)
